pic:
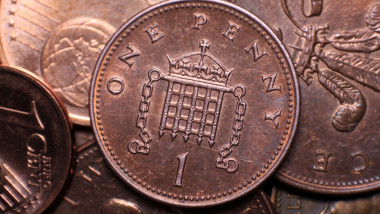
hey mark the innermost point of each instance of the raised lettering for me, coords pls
(322, 158)
(271, 86)
(315, 8)
(361, 161)
(255, 50)
(273, 117)
(181, 165)
(231, 29)
(131, 54)
(38, 163)
(200, 19)
(115, 85)
(154, 34)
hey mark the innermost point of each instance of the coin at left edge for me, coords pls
(36, 143)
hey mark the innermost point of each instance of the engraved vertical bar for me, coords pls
(191, 114)
(179, 108)
(166, 108)
(203, 121)
(216, 118)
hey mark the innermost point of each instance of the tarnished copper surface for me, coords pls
(96, 189)
(194, 103)
(335, 48)
(35, 141)
(340, 154)
(83, 135)
(60, 41)
(333, 44)
(289, 201)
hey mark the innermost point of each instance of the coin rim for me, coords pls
(343, 190)
(78, 119)
(175, 202)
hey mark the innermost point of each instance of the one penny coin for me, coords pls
(194, 103)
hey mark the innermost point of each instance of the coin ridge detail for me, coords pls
(291, 114)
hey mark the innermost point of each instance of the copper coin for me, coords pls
(96, 189)
(290, 201)
(83, 135)
(36, 146)
(194, 103)
(60, 40)
(335, 48)
(256, 202)
(335, 51)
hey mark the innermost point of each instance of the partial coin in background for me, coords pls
(36, 143)
(337, 58)
(60, 41)
(335, 46)
(96, 189)
(290, 201)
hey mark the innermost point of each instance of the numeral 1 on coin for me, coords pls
(181, 165)
(29, 119)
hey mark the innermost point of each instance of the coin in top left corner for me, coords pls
(60, 41)
(36, 143)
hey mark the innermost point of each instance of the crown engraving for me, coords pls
(197, 83)
(200, 66)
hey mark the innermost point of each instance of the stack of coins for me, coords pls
(198, 106)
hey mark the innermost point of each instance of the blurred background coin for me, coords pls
(59, 41)
(335, 50)
(337, 59)
(35, 140)
(291, 201)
